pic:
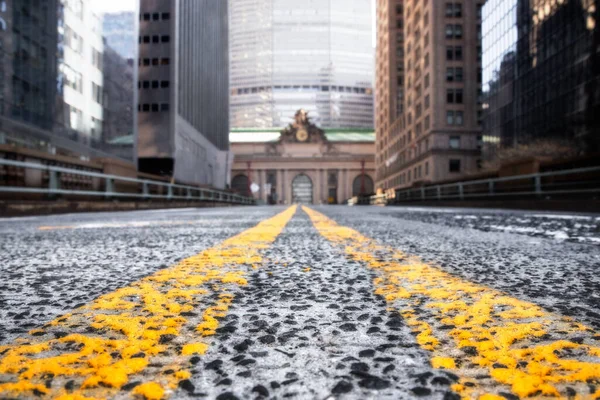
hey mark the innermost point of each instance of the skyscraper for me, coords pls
(437, 133)
(541, 72)
(183, 90)
(288, 54)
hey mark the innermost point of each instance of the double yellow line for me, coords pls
(148, 331)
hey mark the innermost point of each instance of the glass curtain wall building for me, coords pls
(541, 71)
(55, 74)
(287, 55)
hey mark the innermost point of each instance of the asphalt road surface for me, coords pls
(301, 302)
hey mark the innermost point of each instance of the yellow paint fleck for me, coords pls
(307, 269)
(443, 362)
(194, 348)
(149, 391)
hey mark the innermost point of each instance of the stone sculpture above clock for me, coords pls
(302, 130)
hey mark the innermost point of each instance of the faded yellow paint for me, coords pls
(130, 333)
(475, 331)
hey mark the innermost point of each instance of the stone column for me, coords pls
(263, 183)
(279, 185)
(318, 195)
(287, 187)
(347, 184)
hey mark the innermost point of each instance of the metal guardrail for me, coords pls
(580, 181)
(54, 186)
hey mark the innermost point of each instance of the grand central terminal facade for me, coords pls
(303, 164)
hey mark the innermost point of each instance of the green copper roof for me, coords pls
(272, 135)
(253, 135)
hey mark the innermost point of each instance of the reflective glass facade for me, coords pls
(541, 71)
(287, 55)
(63, 87)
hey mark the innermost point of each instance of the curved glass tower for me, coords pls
(290, 54)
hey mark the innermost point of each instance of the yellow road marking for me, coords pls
(145, 332)
(495, 343)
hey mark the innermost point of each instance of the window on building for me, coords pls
(97, 93)
(146, 107)
(166, 16)
(454, 166)
(426, 168)
(155, 16)
(155, 61)
(165, 38)
(146, 39)
(332, 179)
(97, 59)
(146, 84)
(427, 122)
(146, 62)
(454, 142)
(96, 128)
(164, 107)
(155, 39)
(458, 118)
(164, 84)
(427, 102)
(450, 117)
(454, 31)
(154, 84)
(458, 53)
(146, 16)
(155, 107)
(165, 61)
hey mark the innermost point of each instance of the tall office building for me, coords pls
(541, 72)
(289, 54)
(183, 90)
(437, 134)
(52, 78)
(389, 74)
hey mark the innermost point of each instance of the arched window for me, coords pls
(363, 185)
(239, 184)
(302, 190)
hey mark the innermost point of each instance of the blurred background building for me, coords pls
(289, 54)
(428, 113)
(541, 73)
(183, 86)
(53, 92)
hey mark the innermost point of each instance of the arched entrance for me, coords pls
(239, 184)
(302, 190)
(363, 185)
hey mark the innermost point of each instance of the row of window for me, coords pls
(154, 61)
(155, 16)
(153, 107)
(153, 84)
(154, 39)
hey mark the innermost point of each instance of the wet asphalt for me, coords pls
(307, 325)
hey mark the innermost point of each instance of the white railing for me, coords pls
(108, 190)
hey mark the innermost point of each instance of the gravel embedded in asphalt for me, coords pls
(307, 324)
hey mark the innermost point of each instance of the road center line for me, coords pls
(140, 338)
(495, 343)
